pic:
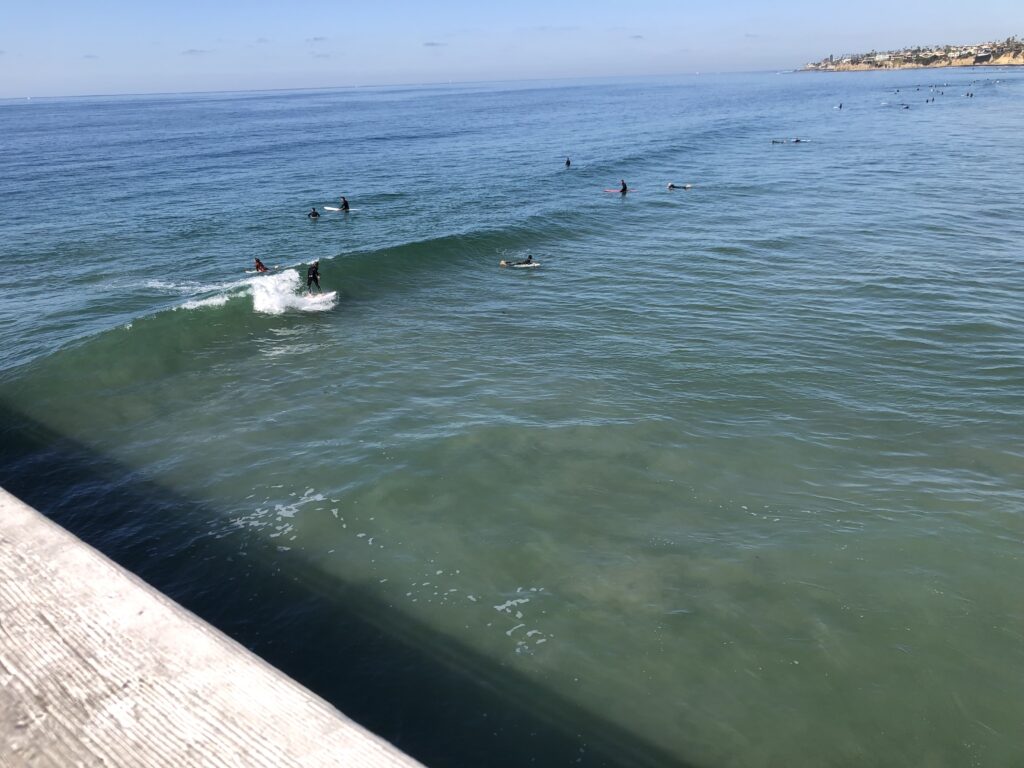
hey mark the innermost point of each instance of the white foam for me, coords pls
(276, 294)
(213, 301)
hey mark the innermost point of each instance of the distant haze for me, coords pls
(62, 48)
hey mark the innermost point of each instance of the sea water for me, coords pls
(734, 478)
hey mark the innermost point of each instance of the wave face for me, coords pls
(732, 478)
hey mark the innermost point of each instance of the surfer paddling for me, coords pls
(527, 262)
(261, 267)
(313, 214)
(313, 276)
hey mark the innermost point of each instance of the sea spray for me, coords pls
(276, 294)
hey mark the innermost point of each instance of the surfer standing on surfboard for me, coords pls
(313, 276)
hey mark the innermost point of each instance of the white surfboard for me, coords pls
(335, 208)
(531, 265)
(315, 300)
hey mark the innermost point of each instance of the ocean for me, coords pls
(734, 478)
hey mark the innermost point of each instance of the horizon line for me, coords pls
(577, 78)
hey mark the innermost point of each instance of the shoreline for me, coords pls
(1017, 61)
(1008, 53)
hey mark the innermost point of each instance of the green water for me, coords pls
(737, 472)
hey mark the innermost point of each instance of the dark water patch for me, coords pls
(425, 692)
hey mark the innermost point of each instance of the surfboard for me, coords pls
(532, 264)
(335, 208)
(619, 190)
(320, 298)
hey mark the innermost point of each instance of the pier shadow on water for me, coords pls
(428, 694)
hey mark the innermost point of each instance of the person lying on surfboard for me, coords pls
(313, 214)
(313, 276)
(261, 267)
(523, 262)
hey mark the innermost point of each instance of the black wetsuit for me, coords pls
(313, 276)
(314, 214)
(344, 204)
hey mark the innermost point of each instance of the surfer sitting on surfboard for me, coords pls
(344, 203)
(260, 266)
(624, 188)
(313, 276)
(313, 214)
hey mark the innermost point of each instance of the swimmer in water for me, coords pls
(568, 162)
(313, 214)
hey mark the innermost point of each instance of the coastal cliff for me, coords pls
(1007, 53)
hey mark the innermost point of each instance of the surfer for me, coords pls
(344, 203)
(528, 261)
(260, 266)
(313, 276)
(568, 162)
(313, 214)
(624, 188)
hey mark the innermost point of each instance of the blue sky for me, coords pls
(109, 46)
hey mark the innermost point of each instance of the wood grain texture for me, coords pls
(99, 669)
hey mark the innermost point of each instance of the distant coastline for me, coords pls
(1008, 53)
